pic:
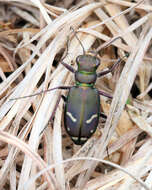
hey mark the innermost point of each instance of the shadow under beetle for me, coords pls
(82, 104)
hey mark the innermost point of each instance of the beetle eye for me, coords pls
(78, 59)
(97, 62)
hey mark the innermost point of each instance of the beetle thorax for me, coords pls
(82, 77)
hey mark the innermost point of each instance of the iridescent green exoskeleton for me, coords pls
(82, 105)
(82, 108)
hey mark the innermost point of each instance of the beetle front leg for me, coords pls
(102, 73)
(70, 68)
(105, 94)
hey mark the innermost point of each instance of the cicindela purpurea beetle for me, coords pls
(82, 104)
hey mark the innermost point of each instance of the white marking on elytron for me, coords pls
(91, 131)
(68, 129)
(71, 116)
(74, 138)
(91, 118)
(84, 138)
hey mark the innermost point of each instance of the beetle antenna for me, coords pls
(67, 49)
(78, 39)
(106, 44)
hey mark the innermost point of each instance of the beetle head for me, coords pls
(87, 63)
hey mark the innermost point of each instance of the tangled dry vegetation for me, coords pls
(38, 154)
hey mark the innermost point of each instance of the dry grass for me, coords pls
(38, 154)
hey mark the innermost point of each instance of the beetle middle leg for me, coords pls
(43, 91)
(105, 94)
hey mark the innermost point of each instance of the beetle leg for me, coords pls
(70, 68)
(105, 94)
(43, 91)
(53, 113)
(107, 43)
(102, 73)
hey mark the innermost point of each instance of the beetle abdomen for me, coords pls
(81, 115)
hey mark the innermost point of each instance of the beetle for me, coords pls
(82, 108)
(82, 104)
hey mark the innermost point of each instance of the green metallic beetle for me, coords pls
(82, 104)
(82, 108)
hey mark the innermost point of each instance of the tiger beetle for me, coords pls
(82, 104)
